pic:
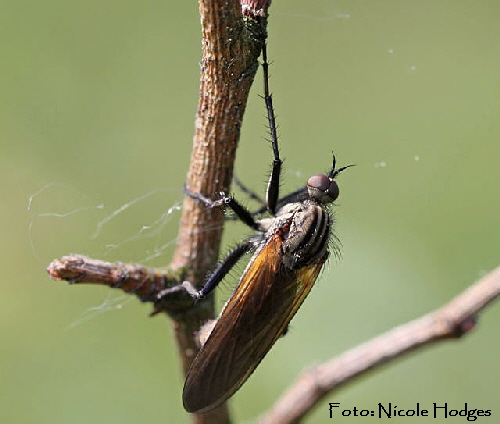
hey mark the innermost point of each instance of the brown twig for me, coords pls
(451, 321)
(228, 66)
(144, 282)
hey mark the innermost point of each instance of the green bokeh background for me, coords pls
(98, 103)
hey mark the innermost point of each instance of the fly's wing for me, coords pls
(257, 314)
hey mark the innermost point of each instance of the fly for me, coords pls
(290, 249)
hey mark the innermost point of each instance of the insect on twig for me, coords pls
(289, 251)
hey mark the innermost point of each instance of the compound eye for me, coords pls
(322, 188)
(319, 181)
(333, 190)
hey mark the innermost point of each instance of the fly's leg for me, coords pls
(224, 267)
(249, 192)
(186, 288)
(273, 185)
(241, 212)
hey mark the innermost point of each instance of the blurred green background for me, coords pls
(98, 103)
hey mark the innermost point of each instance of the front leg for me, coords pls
(241, 212)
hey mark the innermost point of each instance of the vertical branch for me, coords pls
(228, 66)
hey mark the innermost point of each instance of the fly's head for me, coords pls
(323, 188)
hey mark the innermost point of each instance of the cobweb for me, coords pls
(70, 207)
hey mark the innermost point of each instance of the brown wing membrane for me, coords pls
(257, 314)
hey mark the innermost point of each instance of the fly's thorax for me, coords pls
(282, 219)
(306, 241)
(305, 229)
